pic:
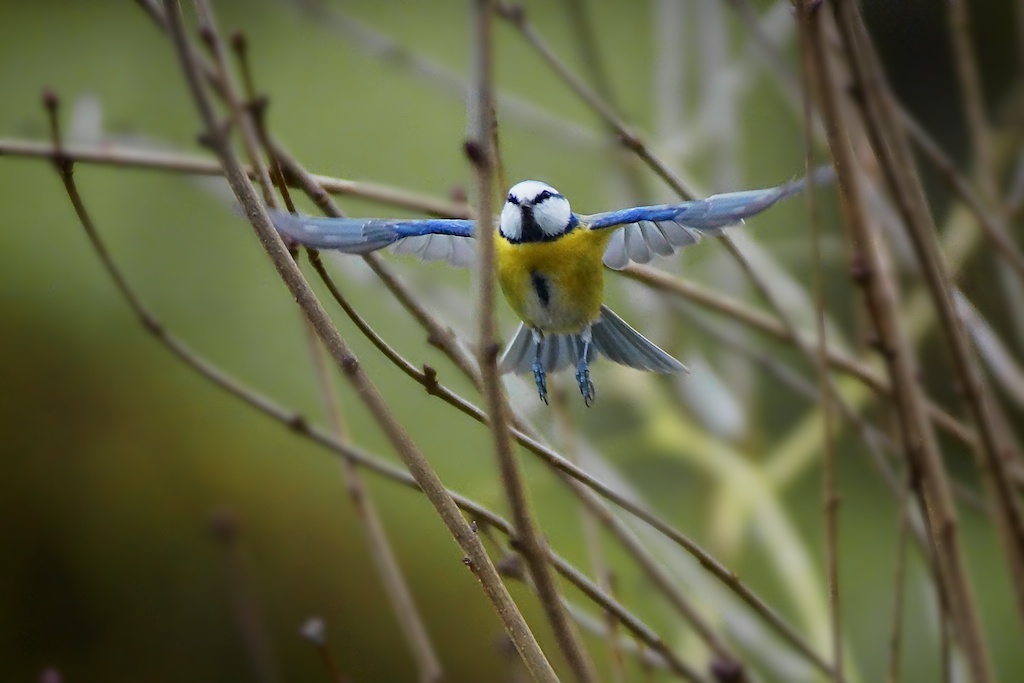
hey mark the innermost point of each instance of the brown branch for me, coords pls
(130, 157)
(896, 161)
(410, 621)
(516, 16)
(919, 441)
(830, 494)
(476, 556)
(481, 153)
(567, 435)
(774, 327)
(315, 631)
(239, 117)
(896, 628)
(396, 587)
(993, 222)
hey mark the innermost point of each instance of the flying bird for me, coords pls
(549, 263)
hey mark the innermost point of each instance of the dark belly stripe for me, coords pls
(540, 285)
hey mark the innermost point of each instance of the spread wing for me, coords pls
(432, 239)
(643, 231)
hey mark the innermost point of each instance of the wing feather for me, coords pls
(432, 239)
(655, 238)
(643, 231)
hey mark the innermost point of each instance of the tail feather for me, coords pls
(612, 337)
(557, 352)
(620, 343)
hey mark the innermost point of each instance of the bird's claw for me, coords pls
(583, 380)
(540, 379)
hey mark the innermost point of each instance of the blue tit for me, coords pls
(550, 265)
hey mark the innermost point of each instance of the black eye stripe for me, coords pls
(513, 199)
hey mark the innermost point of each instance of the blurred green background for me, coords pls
(115, 457)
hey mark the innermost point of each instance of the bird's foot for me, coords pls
(583, 380)
(540, 379)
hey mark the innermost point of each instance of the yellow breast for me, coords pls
(554, 286)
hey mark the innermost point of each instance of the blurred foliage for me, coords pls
(115, 456)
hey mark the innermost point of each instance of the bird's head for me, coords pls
(535, 212)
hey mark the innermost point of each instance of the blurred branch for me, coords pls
(584, 35)
(868, 271)
(772, 326)
(567, 436)
(131, 157)
(830, 492)
(895, 158)
(899, 582)
(516, 16)
(972, 97)
(476, 555)
(992, 222)
(252, 627)
(481, 153)
(386, 563)
(410, 621)
(423, 69)
(211, 37)
(315, 631)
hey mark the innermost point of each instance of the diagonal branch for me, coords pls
(476, 556)
(919, 440)
(896, 160)
(481, 153)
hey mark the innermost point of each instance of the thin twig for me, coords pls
(591, 536)
(386, 562)
(896, 161)
(476, 556)
(480, 150)
(249, 620)
(130, 157)
(516, 16)
(392, 578)
(581, 26)
(315, 631)
(422, 68)
(211, 36)
(972, 96)
(896, 628)
(829, 487)
(919, 441)
(993, 222)
(774, 327)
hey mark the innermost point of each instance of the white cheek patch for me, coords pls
(511, 223)
(552, 215)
